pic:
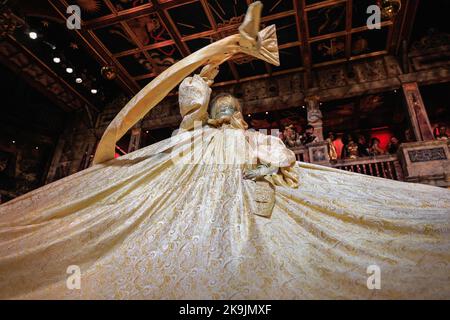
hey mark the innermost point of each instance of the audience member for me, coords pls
(394, 144)
(309, 136)
(375, 149)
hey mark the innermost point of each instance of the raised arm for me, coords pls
(262, 45)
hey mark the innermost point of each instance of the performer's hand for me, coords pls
(209, 72)
(261, 171)
(251, 174)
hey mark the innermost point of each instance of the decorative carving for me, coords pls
(334, 48)
(433, 39)
(370, 71)
(331, 78)
(90, 6)
(426, 155)
(314, 113)
(9, 22)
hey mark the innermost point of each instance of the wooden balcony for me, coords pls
(386, 166)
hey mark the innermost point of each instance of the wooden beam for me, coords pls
(299, 7)
(348, 29)
(40, 63)
(97, 49)
(208, 33)
(168, 23)
(323, 4)
(132, 13)
(407, 23)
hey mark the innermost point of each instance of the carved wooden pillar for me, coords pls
(314, 115)
(417, 112)
(135, 139)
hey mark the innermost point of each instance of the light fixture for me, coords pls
(56, 59)
(78, 80)
(37, 148)
(14, 141)
(69, 70)
(249, 115)
(390, 8)
(267, 112)
(94, 91)
(109, 72)
(33, 35)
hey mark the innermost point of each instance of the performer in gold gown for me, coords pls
(220, 212)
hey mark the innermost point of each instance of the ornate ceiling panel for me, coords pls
(139, 39)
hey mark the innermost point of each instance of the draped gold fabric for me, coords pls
(259, 44)
(144, 226)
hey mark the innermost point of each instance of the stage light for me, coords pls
(267, 112)
(78, 80)
(94, 91)
(69, 70)
(33, 35)
(14, 141)
(56, 59)
(249, 115)
(37, 148)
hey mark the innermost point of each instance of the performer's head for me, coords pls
(225, 109)
(224, 106)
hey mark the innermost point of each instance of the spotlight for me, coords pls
(267, 112)
(78, 80)
(37, 148)
(94, 91)
(69, 70)
(33, 35)
(249, 115)
(14, 141)
(56, 59)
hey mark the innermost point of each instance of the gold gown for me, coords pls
(144, 226)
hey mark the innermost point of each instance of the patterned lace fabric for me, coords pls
(146, 227)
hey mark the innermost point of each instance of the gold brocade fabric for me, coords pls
(144, 226)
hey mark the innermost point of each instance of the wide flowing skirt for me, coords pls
(145, 227)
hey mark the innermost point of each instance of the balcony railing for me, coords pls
(387, 166)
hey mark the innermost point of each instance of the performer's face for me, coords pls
(225, 111)
(224, 107)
